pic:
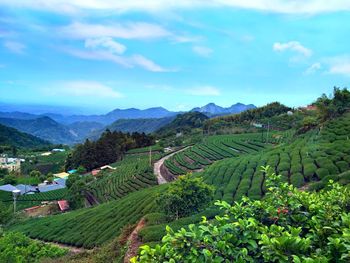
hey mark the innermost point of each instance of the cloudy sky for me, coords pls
(104, 54)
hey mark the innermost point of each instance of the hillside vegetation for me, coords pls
(12, 137)
(44, 128)
(139, 125)
(183, 123)
(109, 148)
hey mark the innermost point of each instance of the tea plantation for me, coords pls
(29, 200)
(214, 148)
(132, 174)
(93, 226)
(317, 155)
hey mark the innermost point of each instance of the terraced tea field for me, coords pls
(213, 149)
(29, 200)
(93, 226)
(318, 155)
(132, 174)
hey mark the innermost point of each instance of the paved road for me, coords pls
(158, 164)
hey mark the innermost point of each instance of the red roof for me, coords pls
(311, 107)
(95, 172)
(63, 205)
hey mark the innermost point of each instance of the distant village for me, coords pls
(59, 181)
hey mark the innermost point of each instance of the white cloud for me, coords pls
(85, 89)
(339, 65)
(147, 64)
(15, 47)
(204, 91)
(138, 30)
(202, 51)
(276, 6)
(313, 68)
(293, 46)
(128, 62)
(107, 43)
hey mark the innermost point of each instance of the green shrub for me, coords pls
(322, 172)
(309, 170)
(15, 247)
(185, 196)
(283, 166)
(297, 179)
(342, 166)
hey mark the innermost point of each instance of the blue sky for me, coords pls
(101, 55)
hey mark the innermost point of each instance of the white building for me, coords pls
(11, 164)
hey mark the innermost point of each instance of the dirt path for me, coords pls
(71, 249)
(158, 164)
(133, 241)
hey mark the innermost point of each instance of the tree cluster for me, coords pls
(109, 148)
(333, 106)
(185, 196)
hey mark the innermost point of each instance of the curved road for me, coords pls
(160, 162)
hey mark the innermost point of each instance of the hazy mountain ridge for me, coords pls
(71, 129)
(44, 128)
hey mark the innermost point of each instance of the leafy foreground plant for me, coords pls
(16, 247)
(288, 225)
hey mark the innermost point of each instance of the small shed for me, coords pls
(62, 175)
(8, 188)
(63, 205)
(95, 172)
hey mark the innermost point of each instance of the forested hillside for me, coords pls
(109, 148)
(139, 125)
(12, 137)
(183, 123)
(44, 128)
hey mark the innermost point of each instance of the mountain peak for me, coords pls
(211, 109)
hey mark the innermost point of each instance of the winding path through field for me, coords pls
(159, 163)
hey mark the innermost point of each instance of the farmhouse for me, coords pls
(11, 164)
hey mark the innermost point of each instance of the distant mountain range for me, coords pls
(106, 119)
(71, 129)
(212, 109)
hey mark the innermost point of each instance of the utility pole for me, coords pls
(268, 129)
(150, 156)
(15, 193)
